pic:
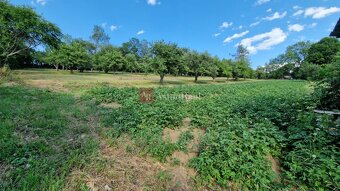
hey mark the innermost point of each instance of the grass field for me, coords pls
(65, 82)
(92, 133)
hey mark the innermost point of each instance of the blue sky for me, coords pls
(265, 27)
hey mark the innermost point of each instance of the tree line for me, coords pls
(302, 60)
(23, 30)
(142, 56)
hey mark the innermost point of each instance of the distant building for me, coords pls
(336, 31)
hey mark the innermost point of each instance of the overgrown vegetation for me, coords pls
(245, 124)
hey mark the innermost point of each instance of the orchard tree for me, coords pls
(73, 55)
(22, 30)
(213, 67)
(196, 63)
(226, 66)
(110, 58)
(131, 63)
(167, 58)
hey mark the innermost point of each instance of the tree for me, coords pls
(131, 63)
(308, 71)
(110, 58)
(260, 73)
(241, 64)
(324, 51)
(213, 67)
(226, 67)
(22, 30)
(73, 55)
(196, 63)
(167, 58)
(99, 37)
(297, 53)
(328, 88)
(137, 47)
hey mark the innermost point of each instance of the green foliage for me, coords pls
(237, 152)
(324, 51)
(167, 58)
(110, 59)
(22, 29)
(297, 53)
(99, 37)
(245, 124)
(183, 140)
(327, 91)
(240, 67)
(313, 159)
(308, 71)
(41, 142)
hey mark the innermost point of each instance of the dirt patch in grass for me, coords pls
(182, 174)
(119, 167)
(275, 165)
(51, 85)
(112, 105)
(173, 134)
(8, 84)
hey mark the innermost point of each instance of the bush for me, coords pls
(312, 159)
(327, 91)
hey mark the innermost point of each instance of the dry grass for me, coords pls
(119, 169)
(64, 81)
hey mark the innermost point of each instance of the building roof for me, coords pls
(336, 31)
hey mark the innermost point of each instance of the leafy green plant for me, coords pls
(237, 152)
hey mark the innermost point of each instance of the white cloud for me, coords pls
(140, 32)
(153, 2)
(226, 25)
(260, 2)
(276, 15)
(240, 27)
(312, 25)
(104, 25)
(296, 7)
(299, 12)
(113, 27)
(216, 34)
(235, 36)
(296, 27)
(269, 10)
(42, 2)
(254, 24)
(264, 41)
(320, 12)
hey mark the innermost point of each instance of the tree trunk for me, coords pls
(71, 70)
(162, 79)
(56, 67)
(63, 67)
(196, 77)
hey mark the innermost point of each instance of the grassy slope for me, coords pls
(42, 135)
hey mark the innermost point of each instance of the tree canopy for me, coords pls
(22, 30)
